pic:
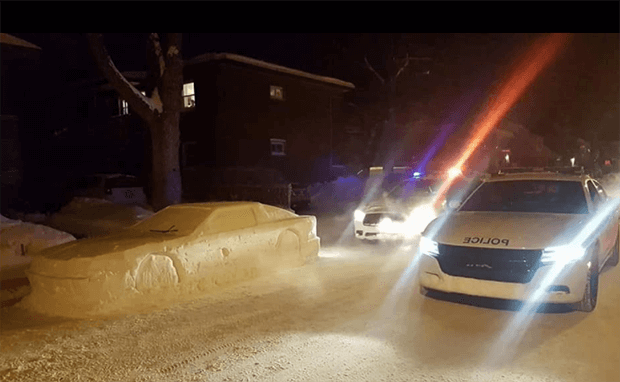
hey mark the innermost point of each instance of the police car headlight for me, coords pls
(428, 246)
(563, 255)
(359, 215)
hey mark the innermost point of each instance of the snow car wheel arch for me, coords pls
(156, 271)
(288, 249)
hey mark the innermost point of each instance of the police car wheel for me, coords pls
(590, 295)
(613, 259)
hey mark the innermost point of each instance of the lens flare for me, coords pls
(533, 63)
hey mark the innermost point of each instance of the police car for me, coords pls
(404, 210)
(401, 212)
(540, 235)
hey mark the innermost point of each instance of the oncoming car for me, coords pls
(401, 212)
(538, 236)
(407, 208)
(182, 248)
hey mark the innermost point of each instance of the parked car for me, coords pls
(182, 248)
(541, 235)
(116, 188)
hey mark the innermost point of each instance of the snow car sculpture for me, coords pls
(179, 250)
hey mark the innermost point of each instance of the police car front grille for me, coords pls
(507, 265)
(374, 218)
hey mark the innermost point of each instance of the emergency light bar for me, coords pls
(579, 170)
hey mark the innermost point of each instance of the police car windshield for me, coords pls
(561, 197)
(419, 187)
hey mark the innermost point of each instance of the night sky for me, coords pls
(579, 90)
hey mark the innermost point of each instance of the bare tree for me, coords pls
(160, 109)
(387, 58)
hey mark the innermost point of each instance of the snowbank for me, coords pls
(19, 241)
(90, 217)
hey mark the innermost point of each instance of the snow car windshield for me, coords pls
(558, 197)
(174, 221)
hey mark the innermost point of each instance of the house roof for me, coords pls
(266, 65)
(133, 76)
(12, 40)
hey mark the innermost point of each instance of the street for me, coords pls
(354, 315)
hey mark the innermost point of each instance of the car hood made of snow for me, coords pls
(121, 251)
(514, 230)
(125, 241)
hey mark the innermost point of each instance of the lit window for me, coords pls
(277, 147)
(123, 107)
(189, 97)
(276, 92)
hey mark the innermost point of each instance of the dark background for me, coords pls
(579, 91)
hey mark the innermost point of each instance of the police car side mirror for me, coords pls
(454, 204)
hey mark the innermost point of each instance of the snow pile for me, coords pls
(90, 217)
(18, 242)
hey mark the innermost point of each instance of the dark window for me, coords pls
(278, 147)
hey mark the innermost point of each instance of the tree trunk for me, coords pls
(166, 176)
(161, 110)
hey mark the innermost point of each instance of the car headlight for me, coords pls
(428, 246)
(359, 215)
(563, 254)
(387, 225)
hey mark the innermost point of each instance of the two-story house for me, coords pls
(248, 112)
(238, 112)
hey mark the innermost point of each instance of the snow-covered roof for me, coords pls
(12, 40)
(266, 65)
(130, 75)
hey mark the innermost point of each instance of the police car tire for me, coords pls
(613, 259)
(590, 295)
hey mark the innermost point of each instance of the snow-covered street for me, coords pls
(354, 315)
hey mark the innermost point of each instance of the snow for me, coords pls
(12, 40)
(266, 65)
(19, 242)
(354, 315)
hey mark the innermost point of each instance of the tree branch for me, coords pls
(142, 105)
(369, 67)
(402, 67)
